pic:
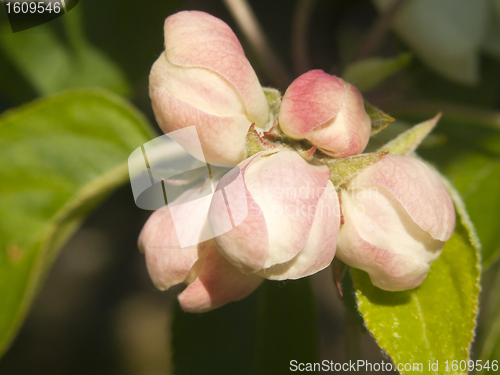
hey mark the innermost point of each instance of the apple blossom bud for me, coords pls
(328, 112)
(397, 217)
(212, 280)
(292, 217)
(203, 78)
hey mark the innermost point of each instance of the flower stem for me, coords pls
(451, 112)
(300, 35)
(249, 25)
(353, 320)
(378, 31)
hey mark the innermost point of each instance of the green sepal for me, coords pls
(342, 170)
(408, 141)
(255, 143)
(273, 98)
(379, 119)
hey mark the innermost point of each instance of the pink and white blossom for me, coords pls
(328, 112)
(290, 230)
(397, 216)
(204, 79)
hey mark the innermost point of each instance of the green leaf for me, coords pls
(432, 28)
(287, 326)
(370, 73)
(50, 65)
(408, 141)
(378, 118)
(434, 322)
(60, 157)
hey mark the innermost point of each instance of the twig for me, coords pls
(249, 25)
(452, 112)
(300, 35)
(378, 30)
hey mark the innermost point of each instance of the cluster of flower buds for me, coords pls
(281, 217)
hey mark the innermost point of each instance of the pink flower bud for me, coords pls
(203, 78)
(328, 112)
(292, 217)
(212, 280)
(397, 217)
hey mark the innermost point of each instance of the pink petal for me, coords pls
(245, 246)
(417, 188)
(168, 264)
(222, 138)
(381, 220)
(200, 87)
(217, 284)
(349, 132)
(176, 236)
(311, 100)
(229, 200)
(321, 244)
(281, 191)
(197, 39)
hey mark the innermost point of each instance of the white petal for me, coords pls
(222, 138)
(286, 189)
(246, 245)
(417, 188)
(202, 88)
(388, 270)
(174, 238)
(319, 249)
(168, 264)
(197, 39)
